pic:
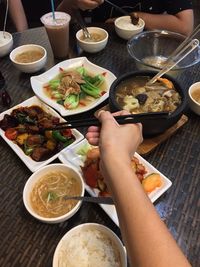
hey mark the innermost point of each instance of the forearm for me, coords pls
(70, 5)
(67, 7)
(182, 23)
(147, 239)
(17, 14)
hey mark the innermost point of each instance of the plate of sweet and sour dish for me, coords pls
(85, 158)
(23, 129)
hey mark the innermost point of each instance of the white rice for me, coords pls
(89, 248)
(4, 40)
(126, 24)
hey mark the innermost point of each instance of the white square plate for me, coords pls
(70, 156)
(30, 163)
(37, 83)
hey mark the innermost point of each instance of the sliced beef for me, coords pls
(8, 122)
(35, 140)
(39, 153)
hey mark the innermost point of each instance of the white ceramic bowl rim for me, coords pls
(129, 30)
(101, 227)
(26, 195)
(27, 46)
(8, 39)
(92, 28)
(192, 88)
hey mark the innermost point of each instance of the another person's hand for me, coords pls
(115, 139)
(83, 4)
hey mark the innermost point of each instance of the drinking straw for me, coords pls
(5, 20)
(53, 9)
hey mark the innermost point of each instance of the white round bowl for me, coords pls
(125, 29)
(194, 105)
(80, 248)
(32, 66)
(92, 47)
(35, 177)
(6, 43)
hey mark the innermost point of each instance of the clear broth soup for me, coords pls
(196, 95)
(134, 96)
(29, 56)
(95, 37)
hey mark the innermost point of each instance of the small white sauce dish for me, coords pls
(92, 46)
(32, 66)
(93, 244)
(6, 43)
(36, 177)
(125, 28)
(194, 97)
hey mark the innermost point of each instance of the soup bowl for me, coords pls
(90, 244)
(29, 58)
(42, 201)
(98, 42)
(6, 43)
(194, 97)
(156, 126)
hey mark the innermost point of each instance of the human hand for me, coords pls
(113, 138)
(86, 4)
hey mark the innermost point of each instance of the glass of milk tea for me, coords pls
(58, 32)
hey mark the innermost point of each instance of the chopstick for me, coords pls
(187, 40)
(98, 200)
(134, 18)
(123, 119)
(81, 23)
(118, 8)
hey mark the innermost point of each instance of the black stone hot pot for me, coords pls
(151, 126)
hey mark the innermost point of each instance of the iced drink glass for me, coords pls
(58, 32)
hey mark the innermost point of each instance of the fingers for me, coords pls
(93, 135)
(100, 1)
(93, 138)
(121, 112)
(106, 117)
(89, 4)
(93, 129)
(107, 120)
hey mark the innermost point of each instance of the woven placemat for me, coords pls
(151, 143)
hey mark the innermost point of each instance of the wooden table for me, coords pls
(24, 241)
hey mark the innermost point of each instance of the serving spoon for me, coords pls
(98, 200)
(134, 18)
(81, 22)
(186, 50)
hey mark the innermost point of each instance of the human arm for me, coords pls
(17, 15)
(181, 22)
(69, 5)
(147, 239)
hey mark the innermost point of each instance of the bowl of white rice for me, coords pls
(6, 43)
(90, 244)
(126, 29)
